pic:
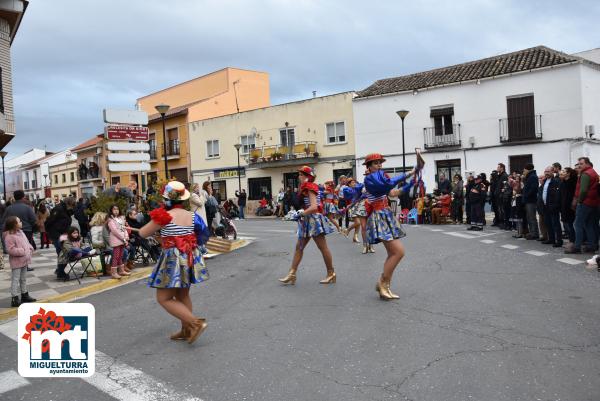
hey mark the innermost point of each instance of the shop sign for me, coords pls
(229, 173)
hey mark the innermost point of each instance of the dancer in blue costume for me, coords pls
(180, 264)
(330, 200)
(382, 225)
(311, 224)
(357, 197)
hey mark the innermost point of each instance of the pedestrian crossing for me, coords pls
(476, 235)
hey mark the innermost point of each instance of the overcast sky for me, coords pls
(72, 58)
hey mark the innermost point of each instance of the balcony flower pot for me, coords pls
(277, 156)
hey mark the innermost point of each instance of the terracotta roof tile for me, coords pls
(90, 142)
(522, 60)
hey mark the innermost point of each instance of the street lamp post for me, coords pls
(402, 114)
(3, 155)
(237, 147)
(162, 109)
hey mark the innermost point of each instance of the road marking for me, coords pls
(488, 241)
(536, 253)
(460, 235)
(11, 380)
(507, 246)
(437, 230)
(569, 261)
(118, 379)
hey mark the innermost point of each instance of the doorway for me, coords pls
(447, 167)
(290, 180)
(517, 163)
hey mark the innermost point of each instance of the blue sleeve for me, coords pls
(379, 183)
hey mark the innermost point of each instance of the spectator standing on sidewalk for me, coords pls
(502, 202)
(586, 202)
(198, 200)
(551, 204)
(41, 215)
(19, 256)
(458, 199)
(25, 213)
(242, 197)
(280, 208)
(568, 182)
(493, 187)
(530, 190)
(540, 209)
(470, 184)
(477, 199)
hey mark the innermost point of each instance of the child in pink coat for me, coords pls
(19, 256)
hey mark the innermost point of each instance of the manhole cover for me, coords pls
(273, 254)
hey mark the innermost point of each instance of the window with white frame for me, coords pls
(248, 143)
(336, 132)
(212, 148)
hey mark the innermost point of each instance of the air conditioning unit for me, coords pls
(472, 141)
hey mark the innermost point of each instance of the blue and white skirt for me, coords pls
(172, 270)
(330, 208)
(358, 209)
(382, 225)
(313, 225)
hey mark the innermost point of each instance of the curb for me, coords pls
(137, 274)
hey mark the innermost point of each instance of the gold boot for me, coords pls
(355, 239)
(195, 329)
(290, 278)
(330, 279)
(371, 249)
(365, 249)
(182, 334)
(345, 232)
(383, 291)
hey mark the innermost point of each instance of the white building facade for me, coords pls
(536, 105)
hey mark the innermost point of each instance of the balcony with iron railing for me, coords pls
(520, 129)
(173, 148)
(442, 137)
(283, 155)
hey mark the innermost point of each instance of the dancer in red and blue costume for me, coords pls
(357, 196)
(382, 225)
(330, 199)
(312, 224)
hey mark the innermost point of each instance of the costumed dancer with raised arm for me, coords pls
(358, 213)
(311, 224)
(382, 225)
(180, 264)
(330, 208)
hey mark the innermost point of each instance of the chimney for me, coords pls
(314, 93)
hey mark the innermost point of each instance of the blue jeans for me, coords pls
(242, 207)
(585, 226)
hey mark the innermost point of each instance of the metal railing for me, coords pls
(34, 184)
(152, 153)
(525, 128)
(298, 150)
(173, 148)
(441, 137)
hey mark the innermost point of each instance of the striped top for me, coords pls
(307, 200)
(373, 198)
(174, 230)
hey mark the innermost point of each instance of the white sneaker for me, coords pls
(92, 252)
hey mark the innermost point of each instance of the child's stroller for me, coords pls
(224, 227)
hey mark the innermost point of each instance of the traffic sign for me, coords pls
(128, 157)
(133, 117)
(122, 167)
(126, 133)
(132, 146)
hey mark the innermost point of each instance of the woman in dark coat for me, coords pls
(568, 182)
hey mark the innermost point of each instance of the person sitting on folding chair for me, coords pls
(71, 251)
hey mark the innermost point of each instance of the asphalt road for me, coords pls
(475, 321)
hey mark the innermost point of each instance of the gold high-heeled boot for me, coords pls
(355, 238)
(345, 232)
(383, 289)
(330, 279)
(181, 334)
(371, 249)
(290, 278)
(195, 329)
(365, 248)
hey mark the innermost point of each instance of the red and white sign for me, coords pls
(126, 133)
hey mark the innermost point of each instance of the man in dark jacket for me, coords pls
(501, 186)
(241, 202)
(493, 187)
(59, 221)
(25, 213)
(551, 205)
(468, 187)
(475, 195)
(444, 185)
(530, 190)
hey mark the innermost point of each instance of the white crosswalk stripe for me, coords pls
(536, 253)
(508, 246)
(488, 241)
(11, 380)
(570, 261)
